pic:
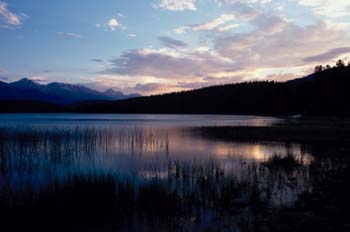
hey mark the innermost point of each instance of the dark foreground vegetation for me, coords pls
(201, 196)
(325, 92)
(191, 198)
(325, 207)
(43, 189)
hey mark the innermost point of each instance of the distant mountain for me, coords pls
(57, 93)
(322, 93)
(2, 83)
(26, 84)
(75, 93)
(118, 95)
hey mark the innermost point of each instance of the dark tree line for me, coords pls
(326, 92)
(339, 64)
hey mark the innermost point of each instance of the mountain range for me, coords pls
(56, 93)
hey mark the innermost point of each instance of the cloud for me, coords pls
(228, 27)
(328, 8)
(328, 55)
(274, 50)
(10, 19)
(210, 26)
(97, 60)
(192, 85)
(176, 5)
(269, 24)
(39, 79)
(69, 35)
(150, 88)
(245, 9)
(210, 81)
(113, 24)
(2, 76)
(287, 46)
(172, 43)
(166, 64)
(280, 77)
(121, 15)
(267, 44)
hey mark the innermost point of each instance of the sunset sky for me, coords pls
(159, 46)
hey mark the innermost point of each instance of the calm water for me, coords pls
(39, 149)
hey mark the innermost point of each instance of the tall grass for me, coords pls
(45, 181)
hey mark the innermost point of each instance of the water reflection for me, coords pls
(37, 151)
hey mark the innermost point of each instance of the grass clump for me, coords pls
(288, 162)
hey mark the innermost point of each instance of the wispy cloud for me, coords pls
(2, 75)
(69, 35)
(97, 60)
(228, 27)
(209, 26)
(176, 5)
(172, 43)
(328, 55)
(167, 64)
(9, 18)
(121, 15)
(328, 8)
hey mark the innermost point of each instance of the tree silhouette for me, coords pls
(340, 64)
(319, 68)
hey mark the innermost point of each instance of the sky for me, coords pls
(159, 46)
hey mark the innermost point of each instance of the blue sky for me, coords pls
(169, 45)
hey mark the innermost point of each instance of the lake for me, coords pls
(43, 152)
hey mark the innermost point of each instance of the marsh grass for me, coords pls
(85, 200)
(199, 195)
(287, 162)
(44, 188)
